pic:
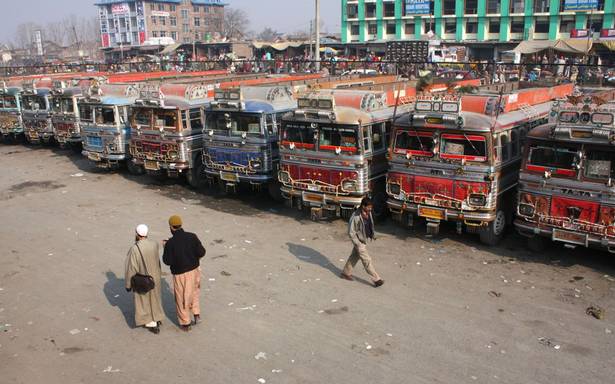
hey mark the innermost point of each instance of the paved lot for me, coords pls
(278, 312)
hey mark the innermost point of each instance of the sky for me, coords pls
(281, 15)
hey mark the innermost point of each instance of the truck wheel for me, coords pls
(536, 244)
(133, 168)
(495, 230)
(194, 176)
(346, 213)
(381, 209)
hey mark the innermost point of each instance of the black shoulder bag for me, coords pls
(142, 283)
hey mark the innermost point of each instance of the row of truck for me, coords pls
(540, 157)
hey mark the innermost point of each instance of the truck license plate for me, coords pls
(431, 213)
(569, 237)
(313, 198)
(151, 165)
(312, 187)
(94, 156)
(231, 177)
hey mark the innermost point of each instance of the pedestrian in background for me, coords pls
(182, 253)
(360, 231)
(144, 258)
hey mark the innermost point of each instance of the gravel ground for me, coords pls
(274, 309)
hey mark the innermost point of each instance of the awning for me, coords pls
(170, 49)
(279, 46)
(578, 46)
(609, 44)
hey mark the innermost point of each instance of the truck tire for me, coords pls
(195, 175)
(381, 209)
(493, 233)
(273, 188)
(133, 168)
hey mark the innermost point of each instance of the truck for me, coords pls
(11, 124)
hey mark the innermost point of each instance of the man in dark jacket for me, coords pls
(182, 253)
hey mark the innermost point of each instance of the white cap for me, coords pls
(142, 230)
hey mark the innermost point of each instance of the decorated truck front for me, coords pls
(65, 117)
(11, 125)
(458, 158)
(241, 135)
(105, 125)
(167, 129)
(333, 151)
(36, 111)
(566, 189)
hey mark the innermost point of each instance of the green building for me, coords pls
(469, 22)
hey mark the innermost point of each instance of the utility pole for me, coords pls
(311, 35)
(317, 27)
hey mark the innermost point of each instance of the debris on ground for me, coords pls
(225, 273)
(261, 355)
(110, 369)
(495, 294)
(548, 343)
(276, 371)
(262, 381)
(77, 175)
(596, 312)
(74, 331)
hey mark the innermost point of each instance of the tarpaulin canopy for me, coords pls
(279, 46)
(609, 44)
(578, 46)
(170, 49)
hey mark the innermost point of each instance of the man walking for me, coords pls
(182, 253)
(144, 258)
(360, 230)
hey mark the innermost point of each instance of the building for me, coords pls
(474, 21)
(130, 23)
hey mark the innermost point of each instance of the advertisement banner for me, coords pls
(120, 8)
(105, 40)
(421, 7)
(161, 14)
(580, 5)
(607, 33)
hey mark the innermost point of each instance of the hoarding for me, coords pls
(420, 7)
(120, 8)
(580, 5)
(161, 14)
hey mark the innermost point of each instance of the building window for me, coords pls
(352, 11)
(195, 9)
(493, 6)
(389, 9)
(184, 13)
(185, 28)
(370, 10)
(154, 20)
(409, 29)
(161, 7)
(494, 26)
(154, 33)
(566, 25)
(207, 9)
(448, 7)
(172, 8)
(471, 26)
(162, 20)
(471, 7)
(372, 29)
(173, 21)
(163, 33)
(174, 36)
(595, 24)
(517, 6)
(197, 21)
(541, 26)
(391, 29)
(541, 6)
(152, 7)
(450, 26)
(354, 29)
(516, 26)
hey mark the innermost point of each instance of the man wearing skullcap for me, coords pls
(182, 253)
(144, 258)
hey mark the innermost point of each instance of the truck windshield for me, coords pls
(463, 147)
(105, 115)
(414, 142)
(34, 103)
(8, 102)
(63, 105)
(551, 157)
(298, 134)
(599, 164)
(85, 113)
(337, 139)
(236, 124)
(165, 119)
(142, 117)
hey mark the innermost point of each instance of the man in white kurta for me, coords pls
(148, 306)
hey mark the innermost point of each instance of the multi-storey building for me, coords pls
(473, 20)
(135, 22)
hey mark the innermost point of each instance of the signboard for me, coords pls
(580, 5)
(38, 41)
(161, 13)
(422, 7)
(608, 33)
(120, 8)
(579, 33)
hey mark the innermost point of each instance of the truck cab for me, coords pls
(36, 111)
(65, 117)
(11, 125)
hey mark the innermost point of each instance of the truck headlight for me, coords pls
(394, 188)
(477, 199)
(349, 185)
(256, 164)
(284, 177)
(526, 210)
(173, 155)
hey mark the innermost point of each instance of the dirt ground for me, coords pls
(451, 310)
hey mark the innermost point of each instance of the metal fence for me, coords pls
(492, 72)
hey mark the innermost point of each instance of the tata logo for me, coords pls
(575, 192)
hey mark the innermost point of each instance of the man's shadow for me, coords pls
(125, 301)
(312, 256)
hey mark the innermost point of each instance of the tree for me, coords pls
(236, 22)
(268, 34)
(24, 35)
(55, 32)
